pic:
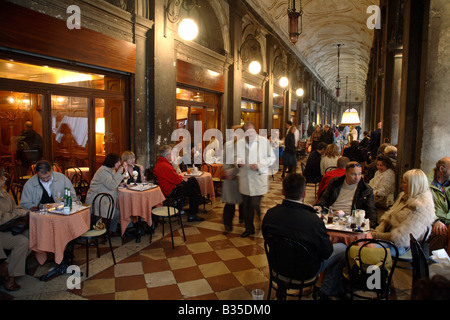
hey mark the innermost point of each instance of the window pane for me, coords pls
(69, 130)
(11, 69)
(20, 128)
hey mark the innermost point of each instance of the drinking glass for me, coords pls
(58, 197)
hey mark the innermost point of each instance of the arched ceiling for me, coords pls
(325, 24)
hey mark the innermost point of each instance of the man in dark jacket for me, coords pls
(327, 135)
(312, 167)
(299, 222)
(350, 192)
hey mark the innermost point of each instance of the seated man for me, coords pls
(338, 172)
(44, 185)
(312, 168)
(439, 180)
(168, 179)
(348, 193)
(300, 222)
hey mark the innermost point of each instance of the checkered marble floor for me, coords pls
(208, 265)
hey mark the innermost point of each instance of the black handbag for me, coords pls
(16, 226)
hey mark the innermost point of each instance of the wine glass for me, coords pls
(58, 197)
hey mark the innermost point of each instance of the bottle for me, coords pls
(65, 197)
(69, 199)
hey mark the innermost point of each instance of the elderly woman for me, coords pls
(383, 183)
(106, 180)
(329, 158)
(130, 165)
(14, 265)
(412, 212)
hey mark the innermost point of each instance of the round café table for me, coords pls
(206, 184)
(52, 232)
(139, 204)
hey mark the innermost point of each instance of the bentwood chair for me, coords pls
(104, 200)
(420, 261)
(291, 266)
(407, 257)
(310, 182)
(171, 208)
(369, 269)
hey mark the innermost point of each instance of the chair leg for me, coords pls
(98, 250)
(87, 258)
(181, 223)
(111, 249)
(171, 232)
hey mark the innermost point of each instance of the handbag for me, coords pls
(16, 226)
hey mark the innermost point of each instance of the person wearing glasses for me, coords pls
(348, 193)
(14, 265)
(44, 186)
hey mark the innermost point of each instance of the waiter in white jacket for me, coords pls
(254, 158)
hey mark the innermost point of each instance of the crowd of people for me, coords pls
(347, 180)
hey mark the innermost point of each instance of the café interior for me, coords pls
(125, 75)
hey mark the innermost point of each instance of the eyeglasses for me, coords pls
(353, 165)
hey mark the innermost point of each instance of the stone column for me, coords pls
(436, 136)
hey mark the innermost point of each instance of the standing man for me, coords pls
(230, 183)
(312, 168)
(255, 156)
(375, 140)
(44, 186)
(439, 180)
(348, 193)
(327, 135)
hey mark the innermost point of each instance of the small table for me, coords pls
(347, 237)
(139, 204)
(206, 184)
(52, 232)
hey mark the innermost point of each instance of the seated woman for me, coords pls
(412, 212)
(107, 179)
(14, 265)
(130, 165)
(383, 183)
(329, 158)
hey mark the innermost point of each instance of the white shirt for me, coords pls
(345, 199)
(46, 185)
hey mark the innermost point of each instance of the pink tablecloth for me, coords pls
(139, 204)
(347, 237)
(206, 185)
(52, 232)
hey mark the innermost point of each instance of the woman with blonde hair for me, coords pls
(130, 165)
(329, 158)
(412, 212)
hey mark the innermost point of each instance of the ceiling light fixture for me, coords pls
(338, 79)
(293, 21)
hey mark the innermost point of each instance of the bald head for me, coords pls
(443, 169)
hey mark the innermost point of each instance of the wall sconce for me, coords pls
(187, 29)
(299, 92)
(284, 82)
(293, 21)
(254, 67)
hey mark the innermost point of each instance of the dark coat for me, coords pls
(312, 167)
(363, 198)
(327, 137)
(299, 222)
